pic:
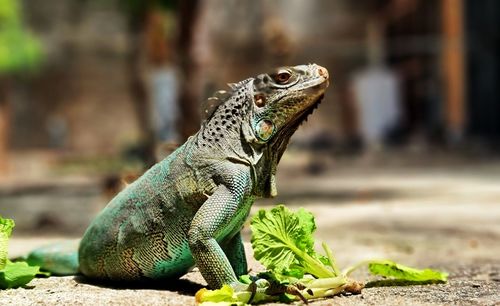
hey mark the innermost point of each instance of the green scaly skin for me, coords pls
(189, 209)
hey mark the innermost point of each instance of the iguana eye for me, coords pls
(260, 100)
(282, 77)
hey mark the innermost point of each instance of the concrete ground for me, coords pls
(441, 216)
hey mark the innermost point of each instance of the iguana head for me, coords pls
(282, 100)
(266, 109)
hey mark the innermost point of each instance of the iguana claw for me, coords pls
(257, 285)
(253, 289)
(293, 289)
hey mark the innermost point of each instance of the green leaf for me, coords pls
(16, 274)
(388, 268)
(283, 242)
(330, 259)
(6, 226)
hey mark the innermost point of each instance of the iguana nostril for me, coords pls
(323, 72)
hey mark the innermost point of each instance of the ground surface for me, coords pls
(442, 217)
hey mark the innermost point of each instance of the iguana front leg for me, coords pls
(215, 219)
(235, 252)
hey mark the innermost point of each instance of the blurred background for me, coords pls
(93, 92)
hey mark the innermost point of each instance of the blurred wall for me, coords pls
(79, 99)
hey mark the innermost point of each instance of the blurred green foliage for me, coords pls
(19, 49)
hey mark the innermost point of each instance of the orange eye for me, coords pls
(282, 77)
(260, 100)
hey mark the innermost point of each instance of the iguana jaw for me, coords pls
(302, 116)
(281, 139)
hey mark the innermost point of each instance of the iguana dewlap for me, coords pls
(189, 208)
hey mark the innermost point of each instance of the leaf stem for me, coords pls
(331, 258)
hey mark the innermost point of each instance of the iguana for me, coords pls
(189, 208)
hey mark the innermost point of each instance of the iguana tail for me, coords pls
(59, 258)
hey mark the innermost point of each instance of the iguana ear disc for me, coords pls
(264, 129)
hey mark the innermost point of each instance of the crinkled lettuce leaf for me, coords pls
(283, 242)
(6, 226)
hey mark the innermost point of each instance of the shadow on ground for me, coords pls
(181, 286)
